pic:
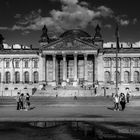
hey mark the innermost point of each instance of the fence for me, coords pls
(14, 92)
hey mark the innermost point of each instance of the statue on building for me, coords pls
(97, 32)
(1, 41)
(98, 37)
(44, 36)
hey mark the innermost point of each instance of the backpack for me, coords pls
(123, 99)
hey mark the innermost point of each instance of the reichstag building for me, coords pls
(75, 59)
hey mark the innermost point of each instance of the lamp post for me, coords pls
(1, 48)
(117, 50)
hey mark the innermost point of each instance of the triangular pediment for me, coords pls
(70, 44)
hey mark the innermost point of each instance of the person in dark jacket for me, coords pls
(122, 101)
(127, 97)
(22, 101)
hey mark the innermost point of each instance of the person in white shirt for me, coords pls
(116, 102)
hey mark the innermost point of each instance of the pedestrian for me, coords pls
(22, 101)
(122, 101)
(27, 102)
(116, 102)
(18, 100)
(75, 97)
(127, 97)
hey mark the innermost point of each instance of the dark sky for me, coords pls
(22, 20)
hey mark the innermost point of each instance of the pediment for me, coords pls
(69, 44)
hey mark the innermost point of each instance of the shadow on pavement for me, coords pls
(73, 130)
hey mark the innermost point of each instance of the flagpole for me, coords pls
(117, 49)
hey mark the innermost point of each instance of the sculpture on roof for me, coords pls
(1, 41)
(97, 32)
(44, 36)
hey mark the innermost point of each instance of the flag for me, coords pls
(117, 38)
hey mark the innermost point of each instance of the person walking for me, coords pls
(122, 101)
(75, 97)
(18, 100)
(27, 102)
(116, 103)
(127, 97)
(22, 101)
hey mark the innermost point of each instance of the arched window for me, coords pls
(136, 77)
(118, 77)
(17, 77)
(126, 77)
(35, 77)
(26, 77)
(7, 77)
(107, 77)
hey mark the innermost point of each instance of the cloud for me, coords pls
(4, 28)
(135, 20)
(66, 1)
(108, 26)
(124, 22)
(69, 1)
(73, 14)
(17, 16)
(84, 3)
(105, 11)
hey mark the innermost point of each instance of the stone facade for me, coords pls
(74, 59)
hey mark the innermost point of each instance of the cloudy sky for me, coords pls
(22, 20)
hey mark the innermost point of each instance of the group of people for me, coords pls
(23, 101)
(121, 100)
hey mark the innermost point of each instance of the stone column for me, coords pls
(85, 68)
(112, 70)
(43, 68)
(31, 72)
(64, 68)
(2, 76)
(3, 72)
(54, 67)
(21, 75)
(131, 69)
(95, 70)
(121, 70)
(13, 71)
(75, 67)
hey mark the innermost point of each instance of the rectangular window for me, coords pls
(7, 64)
(16, 64)
(136, 63)
(35, 64)
(26, 64)
(107, 63)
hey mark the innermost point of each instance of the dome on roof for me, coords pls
(75, 33)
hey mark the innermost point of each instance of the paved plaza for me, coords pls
(84, 108)
(90, 112)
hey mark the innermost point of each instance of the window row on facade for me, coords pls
(17, 77)
(7, 63)
(126, 74)
(124, 62)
